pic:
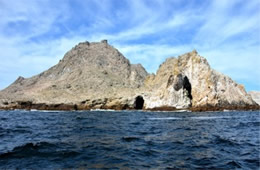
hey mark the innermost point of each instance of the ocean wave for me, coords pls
(3, 118)
(225, 141)
(130, 138)
(248, 124)
(234, 164)
(40, 149)
(4, 131)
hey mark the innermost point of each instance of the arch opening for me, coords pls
(139, 103)
(187, 86)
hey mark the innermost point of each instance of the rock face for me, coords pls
(255, 96)
(98, 76)
(94, 75)
(189, 81)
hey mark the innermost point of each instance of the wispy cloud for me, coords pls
(34, 35)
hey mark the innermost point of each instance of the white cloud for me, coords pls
(220, 24)
(151, 56)
(28, 18)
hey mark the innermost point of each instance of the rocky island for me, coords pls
(97, 76)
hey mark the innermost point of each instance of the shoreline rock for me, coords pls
(75, 107)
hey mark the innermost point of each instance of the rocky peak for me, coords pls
(19, 80)
(88, 57)
(100, 57)
(86, 52)
(194, 52)
(104, 41)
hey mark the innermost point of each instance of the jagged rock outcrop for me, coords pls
(189, 81)
(98, 76)
(255, 96)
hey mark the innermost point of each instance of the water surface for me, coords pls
(129, 139)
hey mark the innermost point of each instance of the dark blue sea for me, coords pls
(129, 140)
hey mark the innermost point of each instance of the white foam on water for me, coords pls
(165, 118)
(35, 110)
(211, 117)
(182, 111)
(102, 110)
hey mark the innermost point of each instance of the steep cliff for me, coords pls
(97, 76)
(189, 81)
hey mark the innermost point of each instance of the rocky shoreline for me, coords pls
(97, 76)
(78, 107)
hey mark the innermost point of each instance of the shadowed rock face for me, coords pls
(182, 82)
(97, 76)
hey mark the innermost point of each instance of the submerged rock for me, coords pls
(97, 76)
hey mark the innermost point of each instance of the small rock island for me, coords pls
(97, 76)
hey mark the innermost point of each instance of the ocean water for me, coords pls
(129, 139)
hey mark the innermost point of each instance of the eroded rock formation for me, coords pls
(97, 76)
(189, 81)
(255, 96)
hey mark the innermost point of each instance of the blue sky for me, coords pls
(35, 34)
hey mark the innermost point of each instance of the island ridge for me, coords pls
(97, 76)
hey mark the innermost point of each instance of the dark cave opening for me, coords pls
(187, 86)
(139, 103)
